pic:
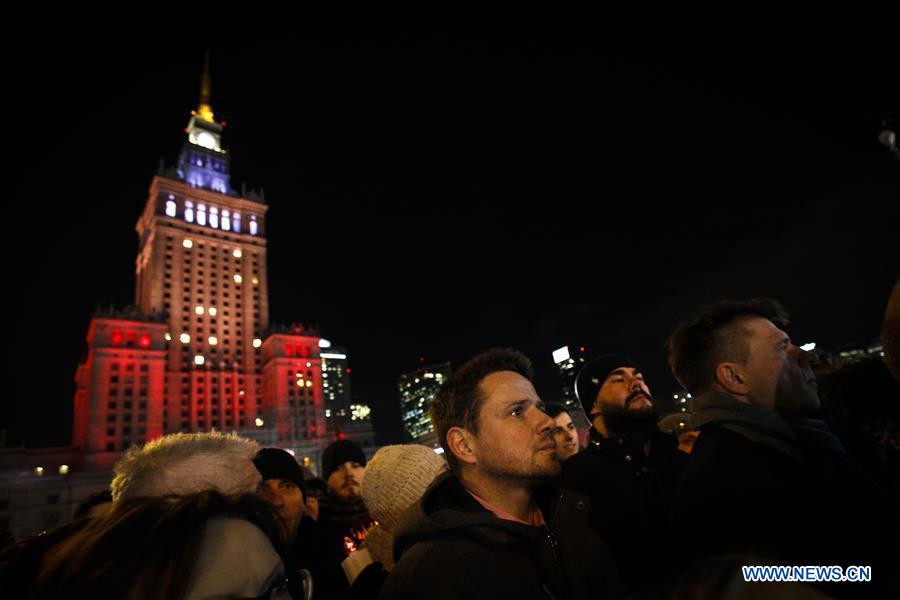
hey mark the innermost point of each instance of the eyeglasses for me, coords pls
(298, 581)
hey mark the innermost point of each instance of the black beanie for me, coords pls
(340, 452)
(592, 375)
(275, 463)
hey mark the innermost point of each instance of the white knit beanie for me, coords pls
(396, 478)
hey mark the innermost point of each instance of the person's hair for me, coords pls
(716, 335)
(458, 401)
(95, 499)
(186, 463)
(145, 547)
(554, 409)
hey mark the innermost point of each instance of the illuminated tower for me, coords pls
(202, 309)
(202, 262)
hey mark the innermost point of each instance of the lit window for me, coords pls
(63, 469)
(254, 227)
(39, 471)
(257, 342)
(255, 281)
(170, 208)
(214, 217)
(212, 311)
(168, 337)
(237, 222)
(226, 221)
(188, 211)
(237, 253)
(187, 244)
(309, 383)
(201, 214)
(199, 360)
(185, 338)
(238, 278)
(259, 423)
(213, 340)
(198, 309)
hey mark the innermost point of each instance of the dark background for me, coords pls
(438, 194)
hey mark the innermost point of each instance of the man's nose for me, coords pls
(544, 423)
(272, 496)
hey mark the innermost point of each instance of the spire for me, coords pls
(204, 111)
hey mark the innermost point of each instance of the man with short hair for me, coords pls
(628, 467)
(494, 527)
(564, 432)
(766, 477)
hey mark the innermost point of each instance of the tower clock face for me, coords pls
(207, 140)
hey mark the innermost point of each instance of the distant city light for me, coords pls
(809, 346)
(323, 343)
(561, 355)
(333, 356)
(39, 471)
(359, 412)
(63, 469)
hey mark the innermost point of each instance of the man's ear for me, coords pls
(461, 444)
(730, 377)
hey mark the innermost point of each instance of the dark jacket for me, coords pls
(780, 490)
(630, 494)
(449, 546)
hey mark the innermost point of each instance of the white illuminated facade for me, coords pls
(417, 390)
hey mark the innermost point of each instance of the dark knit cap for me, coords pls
(275, 463)
(592, 375)
(340, 452)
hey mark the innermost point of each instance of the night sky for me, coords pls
(434, 196)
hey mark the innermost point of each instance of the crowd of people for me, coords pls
(779, 463)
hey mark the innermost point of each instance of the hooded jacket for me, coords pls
(449, 546)
(780, 489)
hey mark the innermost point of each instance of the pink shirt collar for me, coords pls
(536, 518)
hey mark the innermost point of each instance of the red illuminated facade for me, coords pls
(196, 354)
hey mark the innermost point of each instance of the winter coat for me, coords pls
(630, 494)
(449, 546)
(781, 490)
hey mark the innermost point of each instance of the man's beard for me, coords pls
(621, 420)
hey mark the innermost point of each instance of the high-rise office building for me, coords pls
(417, 390)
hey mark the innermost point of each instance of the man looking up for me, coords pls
(628, 468)
(766, 477)
(494, 527)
